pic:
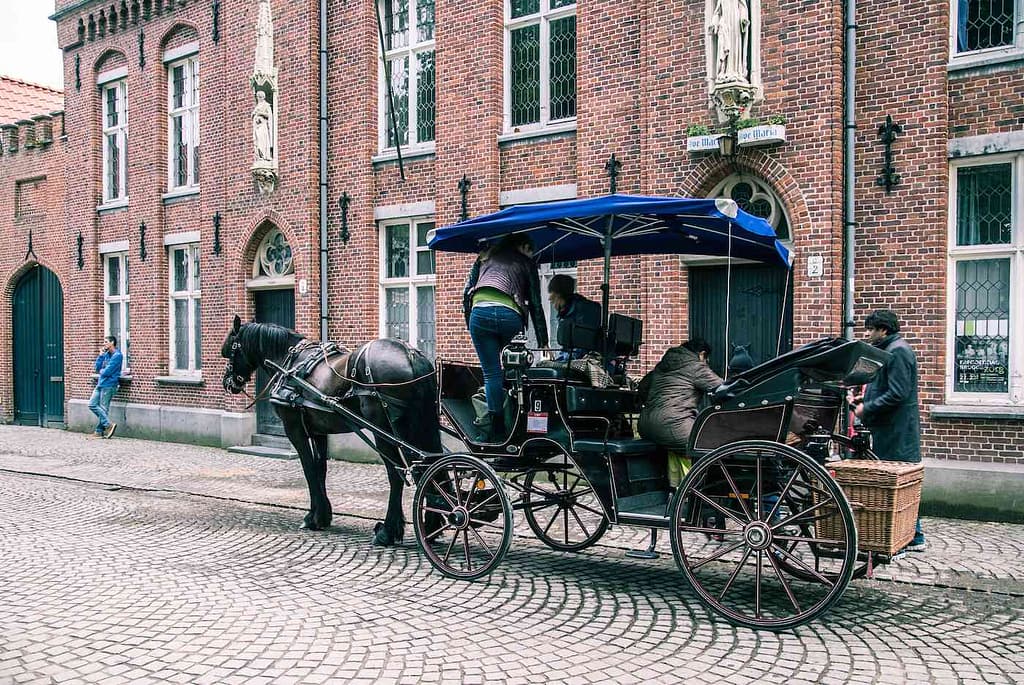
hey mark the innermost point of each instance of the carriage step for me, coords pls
(259, 451)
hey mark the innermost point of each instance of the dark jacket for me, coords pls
(514, 274)
(671, 394)
(890, 404)
(582, 312)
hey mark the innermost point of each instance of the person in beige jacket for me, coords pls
(671, 393)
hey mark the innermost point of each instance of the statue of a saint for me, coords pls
(730, 26)
(263, 128)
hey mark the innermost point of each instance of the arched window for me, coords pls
(754, 196)
(274, 257)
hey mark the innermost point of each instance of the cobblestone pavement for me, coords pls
(134, 561)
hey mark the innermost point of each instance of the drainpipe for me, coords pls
(323, 171)
(849, 173)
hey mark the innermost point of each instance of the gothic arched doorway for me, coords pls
(273, 291)
(38, 323)
(760, 297)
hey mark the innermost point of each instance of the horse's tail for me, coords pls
(425, 424)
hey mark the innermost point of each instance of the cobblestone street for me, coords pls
(133, 561)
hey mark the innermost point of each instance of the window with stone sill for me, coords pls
(986, 269)
(116, 302)
(183, 124)
(407, 280)
(540, 64)
(185, 310)
(986, 25)
(115, 141)
(408, 27)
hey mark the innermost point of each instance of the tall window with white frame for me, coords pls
(115, 142)
(407, 283)
(183, 124)
(983, 25)
(116, 301)
(540, 63)
(986, 258)
(186, 320)
(409, 53)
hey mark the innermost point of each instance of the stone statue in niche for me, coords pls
(730, 28)
(263, 129)
(264, 119)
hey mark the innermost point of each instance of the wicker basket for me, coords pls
(885, 496)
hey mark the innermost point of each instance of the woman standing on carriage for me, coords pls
(502, 287)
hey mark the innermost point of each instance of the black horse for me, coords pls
(390, 384)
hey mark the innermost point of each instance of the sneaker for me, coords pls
(918, 544)
(93, 436)
(108, 432)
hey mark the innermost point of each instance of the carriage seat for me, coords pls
(540, 373)
(604, 401)
(627, 447)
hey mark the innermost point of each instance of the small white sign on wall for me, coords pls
(815, 266)
(303, 286)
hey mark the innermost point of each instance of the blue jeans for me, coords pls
(491, 328)
(99, 405)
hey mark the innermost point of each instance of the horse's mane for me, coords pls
(266, 340)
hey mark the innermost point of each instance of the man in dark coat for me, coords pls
(889, 405)
(569, 305)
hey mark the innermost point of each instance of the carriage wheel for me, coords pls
(745, 517)
(562, 508)
(462, 517)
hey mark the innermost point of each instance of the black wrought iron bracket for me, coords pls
(31, 250)
(216, 233)
(216, 21)
(142, 48)
(612, 166)
(81, 259)
(78, 72)
(888, 132)
(343, 203)
(464, 184)
(142, 241)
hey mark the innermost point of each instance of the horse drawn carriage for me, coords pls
(759, 527)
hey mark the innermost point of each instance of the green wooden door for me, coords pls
(757, 294)
(38, 322)
(272, 306)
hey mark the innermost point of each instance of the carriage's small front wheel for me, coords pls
(764, 535)
(462, 517)
(562, 508)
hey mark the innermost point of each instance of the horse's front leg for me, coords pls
(314, 470)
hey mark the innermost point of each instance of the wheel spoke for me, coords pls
(480, 538)
(565, 524)
(760, 513)
(444, 494)
(735, 490)
(595, 512)
(451, 545)
(801, 514)
(432, 510)
(486, 524)
(576, 516)
(431, 536)
(782, 495)
(539, 506)
(472, 488)
(816, 541)
(799, 562)
(552, 521)
(486, 501)
(710, 531)
(719, 507)
(785, 585)
(717, 555)
(455, 487)
(735, 573)
(465, 547)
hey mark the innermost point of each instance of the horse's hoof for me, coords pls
(382, 537)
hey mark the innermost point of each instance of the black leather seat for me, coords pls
(628, 447)
(603, 401)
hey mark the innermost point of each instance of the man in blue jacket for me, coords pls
(108, 366)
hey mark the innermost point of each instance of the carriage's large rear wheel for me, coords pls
(562, 508)
(462, 517)
(750, 524)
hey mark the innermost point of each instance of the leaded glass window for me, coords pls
(275, 255)
(754, 196)
(185, 296)
(183, 123)
(115, 141)
(987, 263)
(540, 78)
(984, 24)
(407, 283)
(116, 302)
(411, 72)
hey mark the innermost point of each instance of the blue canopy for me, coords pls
(635, 224)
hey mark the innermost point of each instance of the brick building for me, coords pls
(501, 102)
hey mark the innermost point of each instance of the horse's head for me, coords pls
(238, 371)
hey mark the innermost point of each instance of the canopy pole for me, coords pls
(728, 303)
(782, 314)
(606, 285)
